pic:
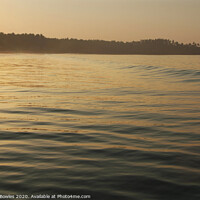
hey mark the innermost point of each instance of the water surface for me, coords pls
(113, 127)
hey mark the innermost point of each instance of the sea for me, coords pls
(100, 127)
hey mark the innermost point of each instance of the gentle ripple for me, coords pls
(113, 127)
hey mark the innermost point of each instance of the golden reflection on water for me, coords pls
(94, 82)
(100, 123)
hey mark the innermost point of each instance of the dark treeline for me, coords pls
(31, 43)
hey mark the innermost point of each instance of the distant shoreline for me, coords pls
(31, 43)
(43, 53)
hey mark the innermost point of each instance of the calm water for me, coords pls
(113, 127)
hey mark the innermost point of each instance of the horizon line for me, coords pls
(63, 38)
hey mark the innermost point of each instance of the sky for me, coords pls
(121, 20)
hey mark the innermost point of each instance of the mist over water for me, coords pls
(113, 127)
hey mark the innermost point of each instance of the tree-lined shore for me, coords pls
(37, 43)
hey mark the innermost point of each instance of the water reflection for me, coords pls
(115, 127)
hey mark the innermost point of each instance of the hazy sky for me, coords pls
(125, 20)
